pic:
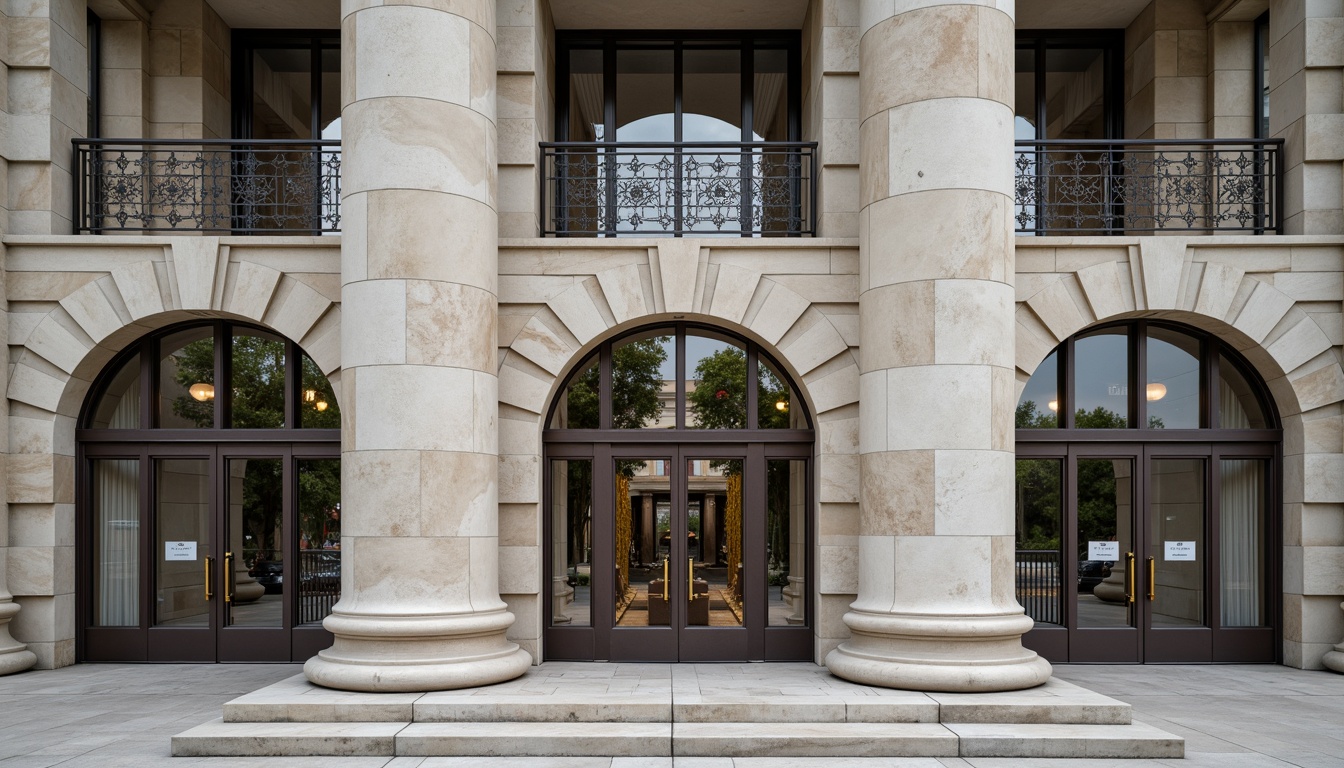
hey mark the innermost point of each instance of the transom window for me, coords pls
(1143, 375)
(217, 375)
(678, 377)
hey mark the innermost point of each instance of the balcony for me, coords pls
(1101, 187)
(749, 189)
(240, 187)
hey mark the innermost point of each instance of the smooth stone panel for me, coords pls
(296, 700)
(1056, 701)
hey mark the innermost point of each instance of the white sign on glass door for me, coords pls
(1103, 550)
(179, 550)
(1180, 550)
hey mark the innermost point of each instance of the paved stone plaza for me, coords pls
(124, 715)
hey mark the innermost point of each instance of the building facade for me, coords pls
(426, 341)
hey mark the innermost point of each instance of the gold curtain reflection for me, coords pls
(733, 530)
(622, 533)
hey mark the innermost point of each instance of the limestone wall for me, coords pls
(75, 302)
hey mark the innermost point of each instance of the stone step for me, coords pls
(813, 740)
(220, 739)
(298, 701)
(1136, 740)
(722, 739)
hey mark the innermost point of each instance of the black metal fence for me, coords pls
(1089, 187)
(1039, 589)
(224, 186)
(319, 583)
(756, 189)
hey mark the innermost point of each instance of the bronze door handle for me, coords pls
(1152, 579)
(1129, 577)
(228, 577)
(690, 579)
(209, 561)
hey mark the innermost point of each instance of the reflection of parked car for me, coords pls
(269, 574)
(1092, 572)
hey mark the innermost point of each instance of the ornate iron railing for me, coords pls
(755, 189)
(1038, 584)
(224, 186)
(1090, 187)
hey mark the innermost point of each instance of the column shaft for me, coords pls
(936, 608)
(420, 606)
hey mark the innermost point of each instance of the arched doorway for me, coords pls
(1148, 466)
(678, 498)
(209, 500)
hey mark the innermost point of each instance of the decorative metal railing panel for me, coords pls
(1089, 187)
(227, 186)
(757, 189)
(1038, 584)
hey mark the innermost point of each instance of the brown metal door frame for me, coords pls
(679, 641)
(215, 642)
(1248, 644)
(1176, 644)
(1100, 645)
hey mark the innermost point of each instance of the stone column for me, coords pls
(936, 609)
(420, 606)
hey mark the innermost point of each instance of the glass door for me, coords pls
(719, 588)
(1103, 621)
(1176, 556)
(186, 564)
(256, 593)
(644, 531)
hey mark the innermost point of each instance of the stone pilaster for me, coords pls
(420, 606)
(1306, 108)
(936, 609)
(14, 656)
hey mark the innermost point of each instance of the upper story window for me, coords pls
(287, 85)
(665, 134)
(1069, 85)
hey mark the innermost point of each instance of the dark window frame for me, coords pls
(678, 328)
(245, 41)
(609, 41)
(1261, 56)
(147, 347)
(94, 42)
(1211, 348)
(1112, 43)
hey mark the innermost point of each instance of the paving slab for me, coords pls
(1135, 740)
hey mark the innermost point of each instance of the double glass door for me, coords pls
(1152, 553)
(209, 552)
(678, 552)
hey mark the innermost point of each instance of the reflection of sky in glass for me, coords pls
(1101, 373)
(1178, 370)
(698, 348)
(1043, 386)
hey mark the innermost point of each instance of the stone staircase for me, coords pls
(678, 710)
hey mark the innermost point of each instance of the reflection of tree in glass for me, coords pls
(1028, 416)
(636, 384)
(1097, 502)
(719, 400)
(195, 364)
(1038, 504)
(320, 502)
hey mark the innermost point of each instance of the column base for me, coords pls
(1334, 659)
(957, 654)
(384, 654)
(14, 656)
